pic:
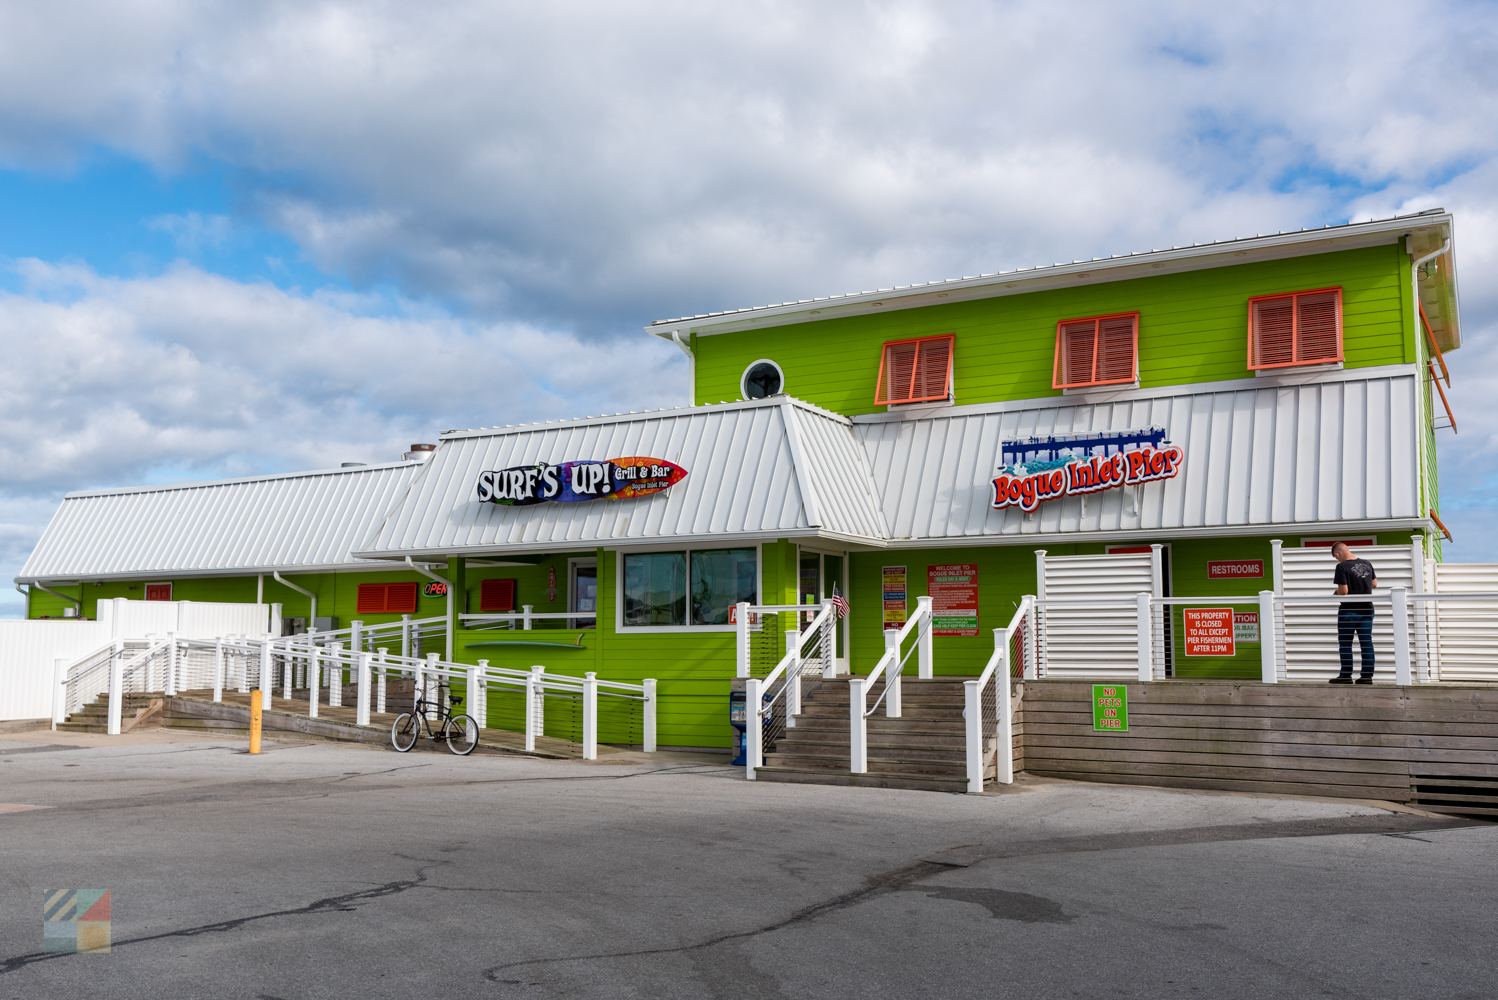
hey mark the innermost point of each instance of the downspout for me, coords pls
(312, 618)
(1415, 264)
(77, 601)
(26, 594)
(450, 619)
(691, 365)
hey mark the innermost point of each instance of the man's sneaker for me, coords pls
(1340, 680)
(1365, 680)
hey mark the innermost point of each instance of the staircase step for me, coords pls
(816, 777)
(904, 752)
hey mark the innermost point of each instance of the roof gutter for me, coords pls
(691, 365)
(312, 618)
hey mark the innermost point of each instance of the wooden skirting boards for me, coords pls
(1433, 746)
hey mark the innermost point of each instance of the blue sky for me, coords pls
(244, 238)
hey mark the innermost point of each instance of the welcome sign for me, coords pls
(572, 482)
(1039, 469)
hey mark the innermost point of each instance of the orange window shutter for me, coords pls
(933, 369)
(1274, 332)
(400, 598)
(1317, 336)
(497, 595)
(1115, 361)
(1078, 352)
(371, 598)
(899, 370)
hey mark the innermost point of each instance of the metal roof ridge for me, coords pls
(654, 327)
(610, 418)
(265, 477)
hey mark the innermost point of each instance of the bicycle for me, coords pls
(459, 732)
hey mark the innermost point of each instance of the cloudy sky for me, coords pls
(261, 237)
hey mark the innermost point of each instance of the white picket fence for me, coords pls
(172, 664)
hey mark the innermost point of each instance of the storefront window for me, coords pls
(721, 578)
(688, 588)
(655, 588)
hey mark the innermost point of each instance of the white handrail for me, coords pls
(1003, 639)
(756, 707)
(858, 687)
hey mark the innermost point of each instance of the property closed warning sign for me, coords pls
(1208, 631)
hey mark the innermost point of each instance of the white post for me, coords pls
(1420, 668)
(60, 690)
(972, 717)
(405, 636)
(741, 640)
(361, 706)
(1268, 674)
(1031, 638)
(754, 737)
(532, 716)
(1004, 724)
(1401, 635)
(892, 706)
(314, 681)
(218, 669)
(648, 712)
(475, 703)
(923, 642)
(266, 680)
(525, 616)
(384, 679)
(1143, 631)
(335, 676)
(793, 677)
(275, 620)
(171, 665)
(590, 716)
(356, 637)
(244, 663)
(116, 689)
(858, 730)
(431, 679)
(1277, 564)
(288, 670)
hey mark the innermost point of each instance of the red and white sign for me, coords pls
(1245, 626)
(1241, 569)
(1209, 631)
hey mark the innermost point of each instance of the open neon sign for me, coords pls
(1041, 469)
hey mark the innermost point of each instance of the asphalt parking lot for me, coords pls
(322, 870)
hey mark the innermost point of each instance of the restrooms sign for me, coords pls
(1039, 469)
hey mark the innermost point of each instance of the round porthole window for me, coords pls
(761, 379)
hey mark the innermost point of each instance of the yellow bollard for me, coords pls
(254, 722)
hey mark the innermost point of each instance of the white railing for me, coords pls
(778, 693)
(527, 616)
(1426, 637)
(987, 707)
(890, 665)
(410, 632)
(172, 664)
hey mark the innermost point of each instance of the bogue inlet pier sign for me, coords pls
(1038, 469)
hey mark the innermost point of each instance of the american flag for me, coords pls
(840, 602)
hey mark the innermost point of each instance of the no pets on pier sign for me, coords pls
(1110, 708)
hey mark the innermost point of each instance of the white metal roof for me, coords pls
(1441, 301)
(295, 522)
(1340, 450)
(756, 470)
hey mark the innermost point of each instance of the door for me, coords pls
(582, 591)
(820, 573)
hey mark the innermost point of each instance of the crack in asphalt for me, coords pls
(329, 904)
(877, 885)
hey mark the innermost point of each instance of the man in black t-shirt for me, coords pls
(1354, 576)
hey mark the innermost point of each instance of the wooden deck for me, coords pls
(1435, 746)
(197, 710)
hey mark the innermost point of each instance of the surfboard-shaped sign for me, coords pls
(573, 482)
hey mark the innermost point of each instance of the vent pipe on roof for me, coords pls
(352, 465)
(419, 453)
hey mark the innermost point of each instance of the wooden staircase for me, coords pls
(136, 710)
(924, 749)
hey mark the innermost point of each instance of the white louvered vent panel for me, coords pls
(1310, 631)
(1099, 641)
(1466, 632)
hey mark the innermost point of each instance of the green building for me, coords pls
(1187, 421)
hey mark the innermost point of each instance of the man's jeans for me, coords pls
(1350, 620)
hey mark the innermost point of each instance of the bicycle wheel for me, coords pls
(404, 731)
(462, 734)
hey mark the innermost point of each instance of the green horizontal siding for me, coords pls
(1193, 327)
